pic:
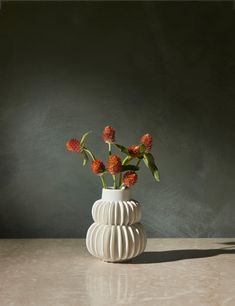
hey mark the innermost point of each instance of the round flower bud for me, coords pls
(97, 166)
(114, 164)
(109, 134)
(134, 150)
(130, 178)
(147, 141)
(73, 145)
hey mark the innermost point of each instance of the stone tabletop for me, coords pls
(58, 272)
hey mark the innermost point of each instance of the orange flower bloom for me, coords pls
(134, 150)
(73, 145)
(97, 166)
(147, 141)
(114, 164)
(109, 134)
(130, 178)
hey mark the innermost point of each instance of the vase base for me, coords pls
(119, 261)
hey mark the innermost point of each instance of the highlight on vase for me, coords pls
(122, 162)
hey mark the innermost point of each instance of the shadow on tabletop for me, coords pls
(232, 243)
(175, 255)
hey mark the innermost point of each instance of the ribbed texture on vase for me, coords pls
(116, 242)
(116, 212)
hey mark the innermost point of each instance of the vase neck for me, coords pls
(116, 194)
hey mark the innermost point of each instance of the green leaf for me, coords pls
(122, 148)
(126, 160)
(84, 138)
(150, 163)
(142, 148)
(157, 175)
(130, 168)
(85, 160)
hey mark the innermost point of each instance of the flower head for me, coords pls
(73, 145)
(114, 164)
(97, 166)
(130, 178)
(147, 141)
(109, 134)
(134, 150)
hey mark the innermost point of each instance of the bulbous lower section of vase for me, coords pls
(116, 234)
(116, 242)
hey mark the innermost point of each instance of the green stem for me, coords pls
(103, 181)
(126, 160)
(110, 148)
(138, 162)
(120, 180)
(90, 153)
(114, 182)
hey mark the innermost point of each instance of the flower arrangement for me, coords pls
(124, 168)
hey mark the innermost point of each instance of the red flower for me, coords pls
(114, 164)
(97, 166)
(73, 145)
(130, 178)
(134, 150)
(147, 141)
(109, 134)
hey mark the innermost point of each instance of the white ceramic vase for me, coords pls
(116, 234)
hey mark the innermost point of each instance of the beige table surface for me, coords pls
(171, 272)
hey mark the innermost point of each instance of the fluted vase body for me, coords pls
(116, 234)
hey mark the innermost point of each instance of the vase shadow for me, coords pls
(150, 257)
(232, 243)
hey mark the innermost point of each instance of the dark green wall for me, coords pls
(163, 68)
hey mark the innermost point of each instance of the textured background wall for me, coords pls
(167, 69)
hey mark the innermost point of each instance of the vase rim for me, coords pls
(111, 194)
(117, 189)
